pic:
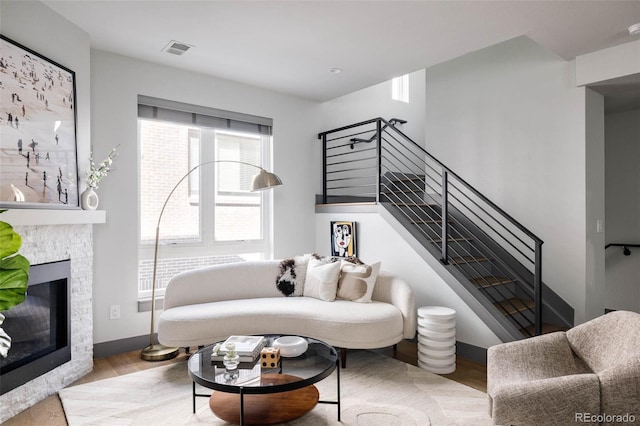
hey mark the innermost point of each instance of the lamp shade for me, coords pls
(264, 180)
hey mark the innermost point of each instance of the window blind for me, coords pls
(177, 112)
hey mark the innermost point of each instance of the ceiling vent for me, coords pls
(176, 47)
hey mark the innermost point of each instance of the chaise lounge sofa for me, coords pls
(209, 304)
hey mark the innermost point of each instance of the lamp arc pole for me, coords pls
(156, 351)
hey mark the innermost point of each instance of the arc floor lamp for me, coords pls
(155, 351)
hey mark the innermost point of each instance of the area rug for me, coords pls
(375, 391)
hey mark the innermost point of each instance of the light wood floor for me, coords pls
(49, 411)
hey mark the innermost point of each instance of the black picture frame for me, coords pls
(38, 131)
(343, 239)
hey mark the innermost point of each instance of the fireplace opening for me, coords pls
(39, 327)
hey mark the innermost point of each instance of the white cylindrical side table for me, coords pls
(437, 339)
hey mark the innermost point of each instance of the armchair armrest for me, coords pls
(553, 401)
(396, 291)
(536, 358)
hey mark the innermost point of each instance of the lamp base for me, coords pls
(158, 353)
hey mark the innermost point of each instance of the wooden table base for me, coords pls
(266, 409)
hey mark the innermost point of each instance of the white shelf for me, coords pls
(23, 217)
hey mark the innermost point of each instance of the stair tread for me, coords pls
(453, 239)
(514, 305)
(407, 178)
(468, 259)
(492, 281)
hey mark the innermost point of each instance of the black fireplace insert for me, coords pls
(39, 327)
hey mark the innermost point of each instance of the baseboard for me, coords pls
(115, 347)
(471, 352)
(467, 351)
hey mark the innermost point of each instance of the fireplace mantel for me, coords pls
(26, 217)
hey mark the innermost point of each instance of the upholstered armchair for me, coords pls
(589, 374)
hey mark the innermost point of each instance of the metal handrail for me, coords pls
(408, 176)
(625, 247)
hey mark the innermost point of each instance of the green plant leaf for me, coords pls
(10, 241)
(14, 278)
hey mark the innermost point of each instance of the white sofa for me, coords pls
(209, 304)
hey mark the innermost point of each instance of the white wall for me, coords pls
(606, 64)
(622, 157)
(595, 288)
(116, 83)
(375, 101)
(32, 24)
(378, 241)
(510, 120)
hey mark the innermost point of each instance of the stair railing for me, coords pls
(625, 247)
(397, 171)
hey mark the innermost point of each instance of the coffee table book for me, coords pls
(247, 347)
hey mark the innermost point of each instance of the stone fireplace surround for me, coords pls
(49, 236)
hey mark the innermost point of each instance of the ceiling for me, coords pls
(290, 46)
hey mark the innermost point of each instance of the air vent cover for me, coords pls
(176, 47)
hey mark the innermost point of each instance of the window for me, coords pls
(212, 216)
(400, 88)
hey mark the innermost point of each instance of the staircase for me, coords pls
(493, 257)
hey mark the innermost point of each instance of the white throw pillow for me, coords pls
(357, 281)
(322, 280)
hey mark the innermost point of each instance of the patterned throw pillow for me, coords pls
(292, 276)
(357, 281)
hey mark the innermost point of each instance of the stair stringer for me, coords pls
(504, 329)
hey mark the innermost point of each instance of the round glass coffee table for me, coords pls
(266, 395)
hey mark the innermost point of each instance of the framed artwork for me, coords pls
(343, 239)
(38, 147)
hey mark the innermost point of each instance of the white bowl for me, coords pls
(291, 346)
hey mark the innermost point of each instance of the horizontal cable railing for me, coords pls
(494, 251)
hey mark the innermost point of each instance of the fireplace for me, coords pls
(39, 327)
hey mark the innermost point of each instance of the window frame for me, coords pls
(207, 245)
